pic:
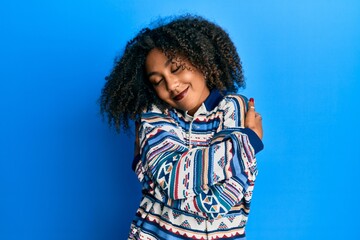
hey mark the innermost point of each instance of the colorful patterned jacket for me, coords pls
(197, 172)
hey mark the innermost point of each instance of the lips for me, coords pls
(181, 95)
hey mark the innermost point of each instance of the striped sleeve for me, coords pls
(182, 172)
(225, 195)
(219, 199)
(215, 201)
(235, 110)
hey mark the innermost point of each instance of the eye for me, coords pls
(176, 66)
(157, 82)
(175, 69)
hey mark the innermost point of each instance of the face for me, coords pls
(176, 81)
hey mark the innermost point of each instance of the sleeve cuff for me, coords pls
(255, 141)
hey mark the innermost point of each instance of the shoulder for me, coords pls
(237, 99)
(156, 124)
(155, 116)
(155, 111)
(235, 108)
(236, 102)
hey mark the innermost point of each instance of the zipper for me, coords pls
(191, 123)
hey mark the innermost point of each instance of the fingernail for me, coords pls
(251, 100)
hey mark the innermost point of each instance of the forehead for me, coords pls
(156, 59)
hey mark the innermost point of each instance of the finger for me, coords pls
(251, 104)
(258, 115)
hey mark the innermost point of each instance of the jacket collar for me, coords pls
(210, 103)
(213, 99)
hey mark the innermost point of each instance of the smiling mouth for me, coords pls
(181, 95)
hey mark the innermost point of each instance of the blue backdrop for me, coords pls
(65, 175)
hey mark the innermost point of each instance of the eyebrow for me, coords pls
(165, 65)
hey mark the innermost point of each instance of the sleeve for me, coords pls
(218, 199)
(221, 197)
(182, 172)
(215, 201)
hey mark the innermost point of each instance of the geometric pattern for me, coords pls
(197, 173)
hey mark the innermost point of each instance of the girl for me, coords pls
(196, 142)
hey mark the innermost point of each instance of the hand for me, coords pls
(253, 120)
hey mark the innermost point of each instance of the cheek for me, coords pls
(198, 80)
(189, 76)
(161, 93)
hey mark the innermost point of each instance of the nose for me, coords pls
(172, 83)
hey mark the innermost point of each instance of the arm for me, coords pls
(183, 172)
(220, 198)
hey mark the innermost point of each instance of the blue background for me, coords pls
(65, 175)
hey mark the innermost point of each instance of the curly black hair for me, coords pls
(128, 92)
